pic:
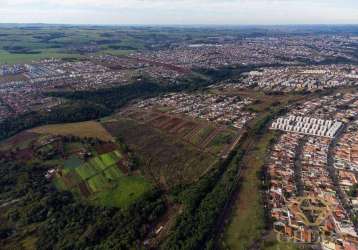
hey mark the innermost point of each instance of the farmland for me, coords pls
(84, 160)
(26, 43)
(102, 182)
(29, 43)
(10, 58)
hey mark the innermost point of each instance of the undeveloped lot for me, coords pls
(89, 129)
(164, 158)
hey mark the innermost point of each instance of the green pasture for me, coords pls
(73, 162)
(50, 42)
(11, 58)
(107, 184)
(127, 190)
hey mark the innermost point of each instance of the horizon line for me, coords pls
(168, 25)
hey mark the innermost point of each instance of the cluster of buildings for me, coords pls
(255, 51)
(28, 94)
(302, 78)
(307, 125)
(48, 68)
(165, 72)
(6, 70)
(346, 156)
(4, 111)
(307, 176)
(24, 84)
(346, 164)
(216, 108)
(19, 95)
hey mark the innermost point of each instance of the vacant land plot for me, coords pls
(89, 129)
(247, 221)
(227, 138)
(126, 190)
(199, 133)
(200, 136)
(166, 159)
(20, 140)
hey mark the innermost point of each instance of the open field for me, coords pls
(201, 134)
(10, 58)
(245, 227)
(26, 43)
(20, 140)
(164, 158)
(101, 181)
(89, 129)
(125, 192)
(272, 244)
(247, 220)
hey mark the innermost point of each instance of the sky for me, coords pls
(184, 12)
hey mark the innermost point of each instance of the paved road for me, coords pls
(298, 165)
(333, 173)
(9, 203)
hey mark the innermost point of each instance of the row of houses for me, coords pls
(307, 125)
(215, 108)
(299, 78)
(303, 199)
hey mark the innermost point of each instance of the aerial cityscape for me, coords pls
(181, 125)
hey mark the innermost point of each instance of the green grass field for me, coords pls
(89, 129)
(127, 190)
(107, 185)
(112, 173)
(73, 162)
(247, 221)
(11, 58)
(26, 44)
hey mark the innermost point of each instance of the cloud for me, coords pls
(180, 11)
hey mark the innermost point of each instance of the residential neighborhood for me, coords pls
(312, 175)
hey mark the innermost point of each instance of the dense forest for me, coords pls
(70, 112)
